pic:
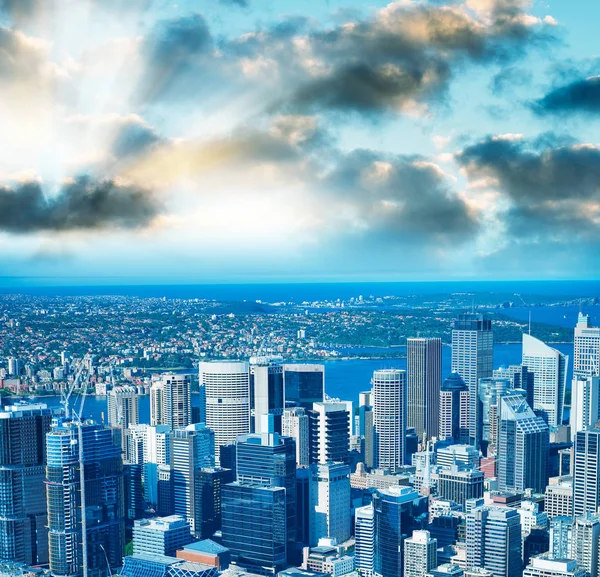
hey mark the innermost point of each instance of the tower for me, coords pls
(177, 404)
(227, 386)
(330, 432)
(523, 442)
(586, 348)
(296, 424)
(123, 406)
(304, 384)
(424, 377)
(585, 402)
(364, 531)
(472, 359)
(420, 554)
(586, 475)
(157, 391)
(549, 367)
(389, 417)
(454, 410)
(266, 391)
(585, 543)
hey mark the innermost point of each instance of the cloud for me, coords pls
(580, 96)
(553, 188)
(242, 3)
(82, 204)
(510, 78)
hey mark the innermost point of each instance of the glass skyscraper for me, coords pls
(586, 474)
(304, 384)
(266, 391)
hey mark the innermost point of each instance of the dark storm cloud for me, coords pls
(84, 204)
(554, 190)
(580, 96)
(404, 198)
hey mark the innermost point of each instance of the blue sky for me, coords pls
(237, 140)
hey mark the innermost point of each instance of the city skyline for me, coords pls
(209, 141)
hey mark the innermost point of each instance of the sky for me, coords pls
(147, 141)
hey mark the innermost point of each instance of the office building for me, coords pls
(472, 359)
(586, 475)
(454, 410)
(522, 447)
(154, 565)
(157, 409)
(532, 516)
(364, 532)
(227, 386)
(549, 367)
(520, 377)
(465, 456)
(103, 504)
(23, 519)
(160, 535)
(586, 348)
(330, 498)
(394, 508)
(585, 543)
(546, 566)
(304, 384)
(458, 486)
(424, 379)
(535, 543)
(133, 486)
(123, 407)
(493, 540)
(296, 424)
(254, 528)
(560, 537)
(270, 460)
(330, 432)
(420, 554)
(558, 498)
(208, 489)
(177, 404)
(266, 391)
(190, 448)
(389, 417)
(490, 391)
(585, 403)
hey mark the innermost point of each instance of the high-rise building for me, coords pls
(420, 554)
(23, 520)
(364, 532)
(254, 528)
(520, 377)
(493, 540)
(472, 359)
(465, 456)
(454, 410)
(157, 393)
(330, 432)
(586, 348)
(585, 402)
(304, 384)
(190, 448)
(424, 378)
(585, 543)
(389, 417)
(560, 537)
(522, 446)
(269, 460)
(331, 515)
(558, 499)
(546, 566)
(490, 391)
(586, 475)
(296, 424)
(227, 386)
(393, 510)
(14, 366)
(208, 489)
(161, 535)
(458, 486)
(123, 406)
(266, 391)
(103, 499)
(549, 367)
(177, 404)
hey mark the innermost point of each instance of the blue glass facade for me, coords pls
(304, 385)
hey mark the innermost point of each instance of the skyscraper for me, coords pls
(520, 377)
(296, 424)
(586, 475)
(458, 486)
(227, 386)
(585, 543)
(331, 515)
(454, 410)
(586, 348)
(157, 392)
(190, 448)
(103, 506)
(420, 554)
(523, 441)
(23, 520)
(490, 391)
(585, 402)
(304, 384)
(266, 391)
(123, 406)
(494, 540)
(253, 519)
(269, 460)
(208, 491)
(177, 404)
(424, 378)
(364, 531)
(330, 432)
(389, 417)
(472, 359)
(549, 367)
